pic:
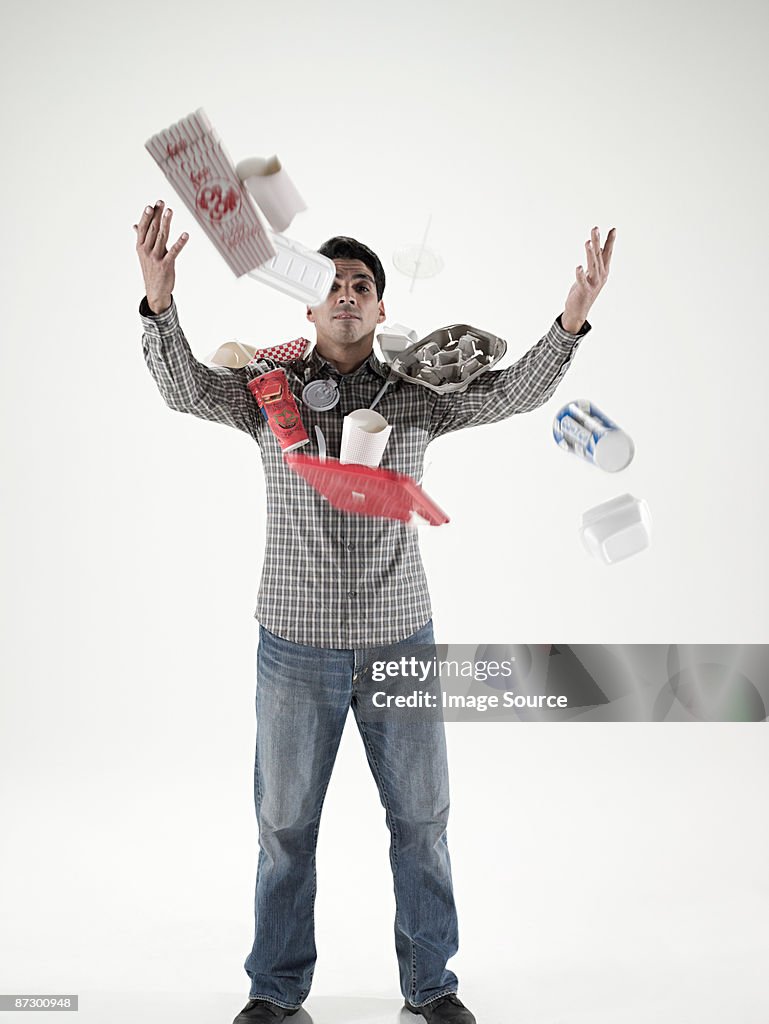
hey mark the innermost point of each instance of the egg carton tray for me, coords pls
(450, 358)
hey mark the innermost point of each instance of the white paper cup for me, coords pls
(364, 437)
(273, 190)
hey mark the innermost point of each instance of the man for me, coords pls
(337, 591)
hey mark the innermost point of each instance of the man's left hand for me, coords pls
(585, 290)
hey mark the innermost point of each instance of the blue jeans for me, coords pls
(303, 695)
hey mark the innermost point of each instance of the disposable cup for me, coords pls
(365, 434)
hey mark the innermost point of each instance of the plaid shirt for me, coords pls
(331, 579)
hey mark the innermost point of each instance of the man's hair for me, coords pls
(341, 247)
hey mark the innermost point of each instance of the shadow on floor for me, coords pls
(221, 1008)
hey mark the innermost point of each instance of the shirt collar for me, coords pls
(314, 360)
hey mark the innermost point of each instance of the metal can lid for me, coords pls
(614, 450)
(320, 395)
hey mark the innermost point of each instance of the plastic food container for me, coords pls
(616, 529)
(449, 359)
(297, 271)
(394, 339)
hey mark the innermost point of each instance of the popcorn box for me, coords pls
(193, 158)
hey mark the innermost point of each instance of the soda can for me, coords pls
(279, 408)
(582, 429)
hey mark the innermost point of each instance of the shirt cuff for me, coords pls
(160, 323)
(565, 340)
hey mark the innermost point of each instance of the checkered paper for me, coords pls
(285, 353)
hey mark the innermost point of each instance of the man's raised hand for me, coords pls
(158, 263)
(585, 289)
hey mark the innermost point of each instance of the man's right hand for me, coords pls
(157, 262)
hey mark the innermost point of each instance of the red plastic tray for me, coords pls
(365, 491)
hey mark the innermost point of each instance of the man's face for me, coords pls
(351, 310)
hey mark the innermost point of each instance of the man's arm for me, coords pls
(533, 379)
(524, 386)
(217, 393)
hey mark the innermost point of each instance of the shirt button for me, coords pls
(349, 545)
(352, 593)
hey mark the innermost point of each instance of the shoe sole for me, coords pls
(247, 1020)
(417, 1011)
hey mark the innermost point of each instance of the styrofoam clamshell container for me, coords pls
(394, 339)
(616, 529)
(450, 358)
(297, 271)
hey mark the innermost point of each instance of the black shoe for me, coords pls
(262, 1011)
(447, 1010)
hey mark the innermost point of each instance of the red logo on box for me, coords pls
(218, 199)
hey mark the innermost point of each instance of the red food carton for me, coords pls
(274, 396)
(366, 491)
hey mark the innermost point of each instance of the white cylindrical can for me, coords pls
(582, 429)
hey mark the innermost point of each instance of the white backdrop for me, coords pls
(602, 872)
